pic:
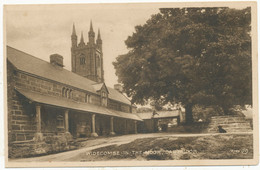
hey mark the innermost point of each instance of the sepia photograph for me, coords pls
(130, 84)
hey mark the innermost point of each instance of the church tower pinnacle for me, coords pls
(91, 34)
(81, 43)
(74, 37)
(99, 36)
(99, 41)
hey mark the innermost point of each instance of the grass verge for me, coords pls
(222, 146)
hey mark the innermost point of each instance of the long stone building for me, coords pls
(45, 100)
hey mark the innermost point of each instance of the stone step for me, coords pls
(242, 124)
(216, 128)
(231, 130)
(227, 122)
(231, 126)
(231, 122)
(229, 119)
(226, 116)
(228, 128)
(213, 117)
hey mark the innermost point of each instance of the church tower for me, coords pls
(87, 59)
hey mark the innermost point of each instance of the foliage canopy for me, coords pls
(190, 55)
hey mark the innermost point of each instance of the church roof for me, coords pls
(99, 86)
(33, 65)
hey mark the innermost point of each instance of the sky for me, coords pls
(42, 30)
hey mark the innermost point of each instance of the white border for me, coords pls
(3, 2)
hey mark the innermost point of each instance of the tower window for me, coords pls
(98, 61)
(82, 60)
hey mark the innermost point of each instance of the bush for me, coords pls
(185, 157)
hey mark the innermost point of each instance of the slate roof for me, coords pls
(66, 103)
(33, 65)
(160, 114)
(98, 86)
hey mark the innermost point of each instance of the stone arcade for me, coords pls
(48, 105)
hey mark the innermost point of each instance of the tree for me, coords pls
(190, 55)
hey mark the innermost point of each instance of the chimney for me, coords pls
(57, 60)
(118, 87)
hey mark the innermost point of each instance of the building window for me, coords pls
(66, 92)
(60, 121)
(104, 101)
(98, 61)
(70, 94)
(63, 91)
(103, 98)
(87, 98)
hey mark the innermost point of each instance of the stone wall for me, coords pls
(52, 120)
(80, 124)
(229, 123)
(124, 126)
(125, 108)
(119, 125)
(10, 102)
(130, 127)
(51, 88)
(21, 119)
(102, 125)
(50, 144)
(149, 125)
(134, 109)
(118, 106)
(113, 104)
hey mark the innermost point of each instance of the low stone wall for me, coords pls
(50, 144)
(229, 123)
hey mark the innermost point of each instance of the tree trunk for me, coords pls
(225, 110)
(188, 114)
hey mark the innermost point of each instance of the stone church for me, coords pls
(49, 104)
